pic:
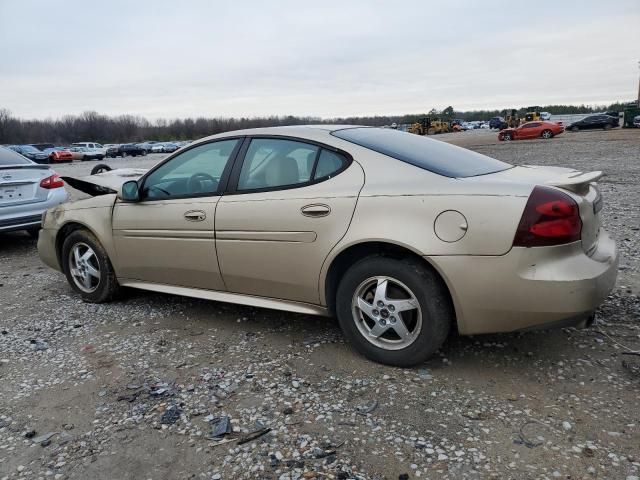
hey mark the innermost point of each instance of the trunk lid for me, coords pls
(20, 184)
(106, 182)
(580, 186)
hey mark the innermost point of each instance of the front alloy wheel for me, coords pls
(84, 267)
(88, 268)
(387, 313)
(547, 134)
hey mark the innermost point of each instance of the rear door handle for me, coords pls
(316, 210)
(195, 215)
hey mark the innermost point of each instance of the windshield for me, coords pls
(432, 155)
(9, 157)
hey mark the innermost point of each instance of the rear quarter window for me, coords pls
(432, 155)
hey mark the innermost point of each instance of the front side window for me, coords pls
(272, 163)
(195, 172)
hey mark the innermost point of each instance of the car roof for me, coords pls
(310, 132)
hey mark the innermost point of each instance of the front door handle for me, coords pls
(195, 215)
(316, 210)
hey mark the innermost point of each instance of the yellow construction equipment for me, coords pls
(430, 127)
(533, 114)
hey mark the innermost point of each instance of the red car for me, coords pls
(58, 155)
(531, 130)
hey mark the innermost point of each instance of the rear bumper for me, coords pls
(529, 287)
(23, 217)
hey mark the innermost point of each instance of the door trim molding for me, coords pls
(267, 236)
(237, 298)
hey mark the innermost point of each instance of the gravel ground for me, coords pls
(143, 387)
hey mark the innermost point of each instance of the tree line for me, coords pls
(93, 126)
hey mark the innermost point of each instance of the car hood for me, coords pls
(106, 182)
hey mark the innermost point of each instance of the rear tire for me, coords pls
(424, 323)
(102, 284)
(100, 168)
(507, 137)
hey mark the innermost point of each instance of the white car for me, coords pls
(546, 116)
(157, 148)
(92, 146)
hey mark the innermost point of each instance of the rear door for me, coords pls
(289, 203)
(168, 237)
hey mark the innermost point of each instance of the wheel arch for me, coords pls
(341, 260)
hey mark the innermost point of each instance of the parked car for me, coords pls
(497, 123)
(591, 122)
(545, 116)
(636, 121)
(147, 146)
(394, 233)
(43, 146)
(58, 155)
(91, 146)
(169, 147)
(113, 151)
(157, 148)
(131, 149)
(531, 130)
(85, 153)
(31, 152)
(27, 189)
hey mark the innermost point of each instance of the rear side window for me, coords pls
(328, 164)
(432, 155)
(9, 157)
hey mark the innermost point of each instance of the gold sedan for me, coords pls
(400, 236)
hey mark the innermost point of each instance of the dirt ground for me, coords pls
(134, 389)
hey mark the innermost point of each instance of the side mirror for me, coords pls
(130, 191)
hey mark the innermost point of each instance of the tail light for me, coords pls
(550, 218)
(54, 181)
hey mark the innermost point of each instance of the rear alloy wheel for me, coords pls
(547, 134)
(87, 267)
(507, 137)
(395, 312)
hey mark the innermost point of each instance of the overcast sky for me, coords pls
(323, 58)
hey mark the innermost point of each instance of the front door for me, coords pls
(292, 203)
(168, 237)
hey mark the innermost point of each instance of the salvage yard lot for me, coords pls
(108, 378)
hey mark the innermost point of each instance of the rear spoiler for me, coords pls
(576, 181)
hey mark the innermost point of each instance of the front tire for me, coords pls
(547, 134)
(507, 137)
(395, 312)
(88, 268)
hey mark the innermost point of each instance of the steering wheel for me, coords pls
(194, 184)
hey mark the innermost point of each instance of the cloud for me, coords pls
(168, 59)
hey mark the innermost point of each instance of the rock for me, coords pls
(566, 426)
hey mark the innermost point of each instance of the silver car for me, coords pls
(27, 189)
